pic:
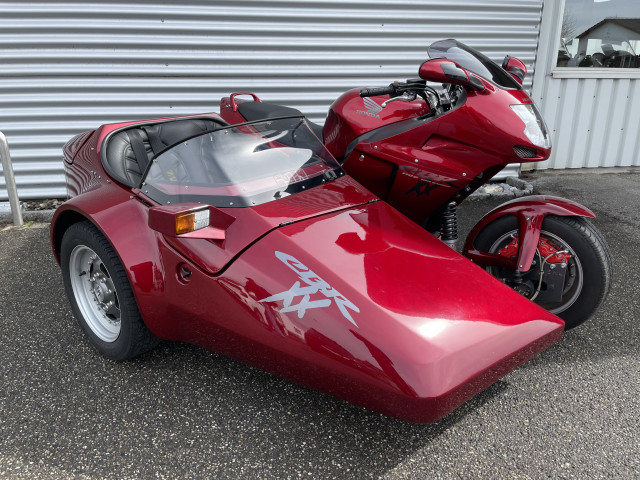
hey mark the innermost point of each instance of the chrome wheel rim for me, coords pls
(95, 293)
(572, 292)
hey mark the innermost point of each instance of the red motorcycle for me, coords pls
(424, 151)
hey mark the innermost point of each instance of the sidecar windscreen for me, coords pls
(472, 60)
(241, 165)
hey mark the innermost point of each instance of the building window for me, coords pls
(600, 34)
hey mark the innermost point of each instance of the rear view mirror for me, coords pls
(441, 70)
(190, 220)
(515, 67)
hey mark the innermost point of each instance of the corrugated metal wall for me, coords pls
(70, 66)
(593, 122)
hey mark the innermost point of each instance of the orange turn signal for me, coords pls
(191, 221)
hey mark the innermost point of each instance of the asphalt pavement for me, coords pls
(183, 412)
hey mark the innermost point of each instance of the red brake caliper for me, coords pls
(545, 247)
(555, 278)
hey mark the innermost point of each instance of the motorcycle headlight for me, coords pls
(534, 127)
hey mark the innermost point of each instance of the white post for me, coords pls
(10, 181)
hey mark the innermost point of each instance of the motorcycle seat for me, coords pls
(253, 111)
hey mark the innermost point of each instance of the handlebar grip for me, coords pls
(374, 92)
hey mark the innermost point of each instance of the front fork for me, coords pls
(529, 226)
(530, 212)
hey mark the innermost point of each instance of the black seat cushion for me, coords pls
(119, 158)
(253, 111)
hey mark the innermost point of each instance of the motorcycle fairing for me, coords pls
(456, 150)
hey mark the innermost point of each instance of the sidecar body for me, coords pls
(288, 264)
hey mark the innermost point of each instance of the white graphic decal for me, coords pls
(309, 284)
(373, 109)
(371, 105)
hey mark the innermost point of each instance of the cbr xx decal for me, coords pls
(426, 182)
(423, 187)
(422, 174)
(308, 286)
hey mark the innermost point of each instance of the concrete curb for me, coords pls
(36, 216)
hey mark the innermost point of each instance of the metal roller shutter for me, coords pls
(70, 66)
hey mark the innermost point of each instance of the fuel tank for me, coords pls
(352, 115)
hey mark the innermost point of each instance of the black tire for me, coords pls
(589, 249)
(109, 317)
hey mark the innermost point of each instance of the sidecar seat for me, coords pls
(129, 151)
(253, 111)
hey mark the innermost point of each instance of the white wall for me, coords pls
(71, 66)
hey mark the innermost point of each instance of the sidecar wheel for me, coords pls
(588, 275)
(100, 294)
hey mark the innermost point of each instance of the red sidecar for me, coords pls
(252, 241)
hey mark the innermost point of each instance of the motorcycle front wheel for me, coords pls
(579, 285)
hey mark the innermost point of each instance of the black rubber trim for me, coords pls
(454, 72)
(137, 144)
(154, 140)
(475, 82)
(321, 214)
(375, 92)
(392, 178)
(518, 72)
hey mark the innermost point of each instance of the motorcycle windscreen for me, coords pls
(472, 60)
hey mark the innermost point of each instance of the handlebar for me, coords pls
(374, 92)
(413, 85)
(407, 91)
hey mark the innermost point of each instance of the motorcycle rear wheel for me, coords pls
(588, 277)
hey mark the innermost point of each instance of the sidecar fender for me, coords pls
(530, 212)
